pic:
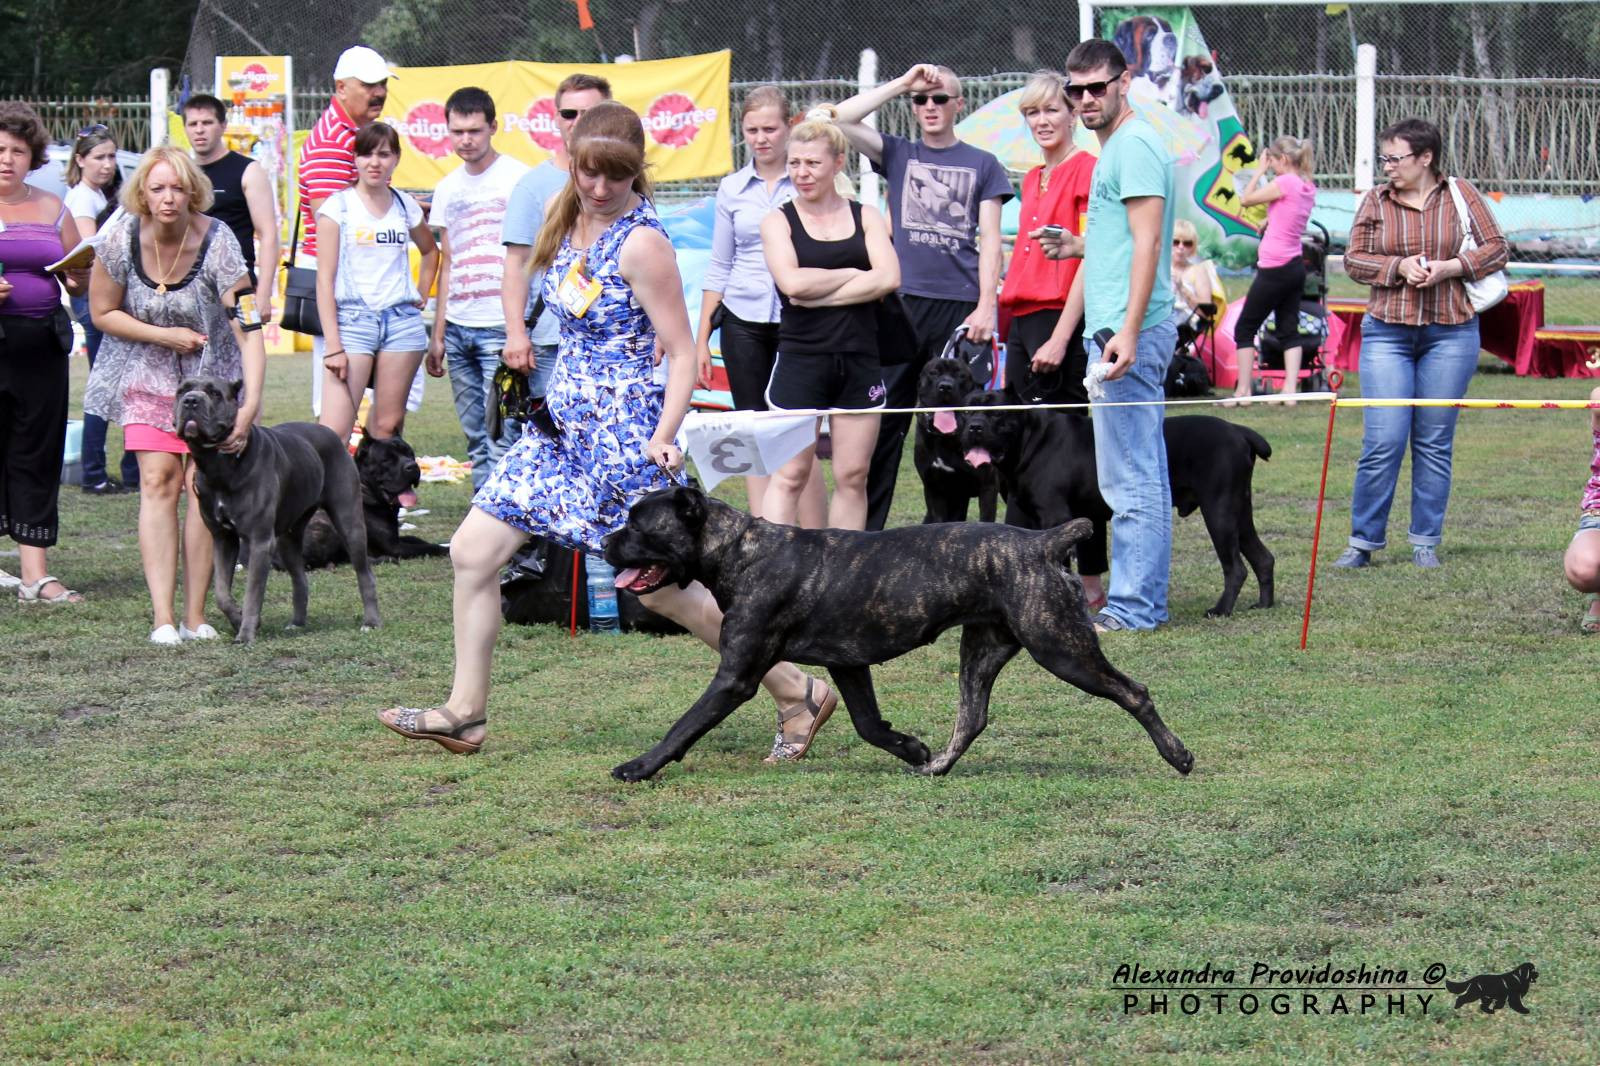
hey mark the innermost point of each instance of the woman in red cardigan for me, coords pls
(1045, 364)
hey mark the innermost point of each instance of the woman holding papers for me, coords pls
(35, 338)
(611, 278)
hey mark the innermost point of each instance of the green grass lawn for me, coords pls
(215, 853)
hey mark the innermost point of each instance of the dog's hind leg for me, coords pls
(1256, 553)
(1219, 517)
(984, 651)
(356, 541)
(855, 688)
(294, 562)
(1088, 669)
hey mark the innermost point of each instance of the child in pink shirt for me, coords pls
(1280, 279)
(1583, 554)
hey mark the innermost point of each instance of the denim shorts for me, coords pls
(1588, 523)
(394, 329)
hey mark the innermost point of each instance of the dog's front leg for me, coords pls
(988, 496)
(259, 564)
(729, 690)
(855, 688)
(224, 557)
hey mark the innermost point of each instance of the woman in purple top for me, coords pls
(740, 298)
(35, 231)
(1280, 279)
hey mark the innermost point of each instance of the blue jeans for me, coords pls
(1409, 362)
(1130, 455)
(94, 427)
(472, 354)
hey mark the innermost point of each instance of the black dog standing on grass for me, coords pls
(1047, 468)
(389, 478)
(948, 483)
(268, 493)
(847, 601)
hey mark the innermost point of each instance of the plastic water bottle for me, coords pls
(602, 596)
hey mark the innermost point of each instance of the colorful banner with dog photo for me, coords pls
(683, 103)
(1175, 77)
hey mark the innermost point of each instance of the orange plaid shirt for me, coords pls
(1386, 231)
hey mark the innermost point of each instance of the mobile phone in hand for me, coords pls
(1055, 233)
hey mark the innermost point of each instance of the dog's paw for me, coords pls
(1212, 612)
(1183, 762)
(294, 627)
(638, 769)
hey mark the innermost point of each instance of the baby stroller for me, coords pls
(1312, 328)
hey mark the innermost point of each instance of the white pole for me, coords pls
(1366, 115)
(159, 85)
(1085, 20)
(867, 78)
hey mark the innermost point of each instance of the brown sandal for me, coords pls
(789, 750)
(403, 720)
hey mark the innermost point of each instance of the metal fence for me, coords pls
(127, 118)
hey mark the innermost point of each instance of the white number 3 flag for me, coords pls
(743, 443)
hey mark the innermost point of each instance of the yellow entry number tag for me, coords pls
(578, 290)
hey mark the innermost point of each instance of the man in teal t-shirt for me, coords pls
(1125, 288)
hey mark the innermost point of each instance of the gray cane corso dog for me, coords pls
(268, 493)
(847, 600)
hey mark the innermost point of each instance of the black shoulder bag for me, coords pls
(300, 290)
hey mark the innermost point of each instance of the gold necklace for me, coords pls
(165, 272)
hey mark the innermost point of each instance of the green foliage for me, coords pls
(89, 46)
(215, 854)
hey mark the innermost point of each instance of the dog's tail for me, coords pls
(1456, 987)
(1064, 538)
(1258, 443)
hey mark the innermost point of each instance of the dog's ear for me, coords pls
(235, 389)
(691, 507)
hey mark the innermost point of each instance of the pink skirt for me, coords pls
(142, 437)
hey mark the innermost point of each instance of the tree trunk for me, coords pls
(644, 29)
(1483, 65)
(774, 41)
(1322, 44)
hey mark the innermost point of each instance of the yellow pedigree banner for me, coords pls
(683, 102)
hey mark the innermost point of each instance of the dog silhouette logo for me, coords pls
(1491, 991)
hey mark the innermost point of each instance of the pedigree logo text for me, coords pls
(539, 124)
(673, 119)
(425, 127)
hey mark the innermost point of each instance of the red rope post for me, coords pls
(577, 561)
(1322, 494)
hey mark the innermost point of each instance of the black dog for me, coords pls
(1046, 464)
(1491, 991)
(389, 478)
(948, 483)
(847, 600)
(269, 491)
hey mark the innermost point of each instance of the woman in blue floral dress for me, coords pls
(611, 274)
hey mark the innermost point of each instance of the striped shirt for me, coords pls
(327, 164)
(1386, 231)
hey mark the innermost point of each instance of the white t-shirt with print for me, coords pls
(470, 209)
(85, 201)
(374, 253)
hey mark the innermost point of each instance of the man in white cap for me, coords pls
(328, 156)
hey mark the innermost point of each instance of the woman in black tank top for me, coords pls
(832, 261)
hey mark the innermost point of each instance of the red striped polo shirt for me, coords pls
(327, 164)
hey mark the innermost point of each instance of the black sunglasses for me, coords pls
(1181, 243)
(98, 127)
(921, 99)
(569, 113)
(1096, 89)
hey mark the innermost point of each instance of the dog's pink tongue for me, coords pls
(1202, 109)
(408, 498)
(190, 428)
(944, 421)
(627, 577)
(978, 457)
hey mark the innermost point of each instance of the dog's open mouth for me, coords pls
(640, 580)
(978, 457)
(944, 422)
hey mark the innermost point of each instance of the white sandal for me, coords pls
(29, 593)
(9, 581)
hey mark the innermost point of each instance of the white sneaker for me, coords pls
(164, 635)
(205, 632)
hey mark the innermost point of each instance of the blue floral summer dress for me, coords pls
(576, 489)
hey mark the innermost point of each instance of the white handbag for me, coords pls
(1491, 288)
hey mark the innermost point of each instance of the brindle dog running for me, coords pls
(846, 601)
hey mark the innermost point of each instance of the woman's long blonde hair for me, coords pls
(607, 139)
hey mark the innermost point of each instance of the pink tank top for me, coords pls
(1591, 491)
(1286, 221)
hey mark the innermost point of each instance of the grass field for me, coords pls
(214, 853)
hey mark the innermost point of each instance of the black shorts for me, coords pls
(803, 381)
(748, 352)
(1028, 333)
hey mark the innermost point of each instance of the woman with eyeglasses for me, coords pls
(1419, 338)
(1280, 279)
(35, 340)
(1044, 362)
(93, 179)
